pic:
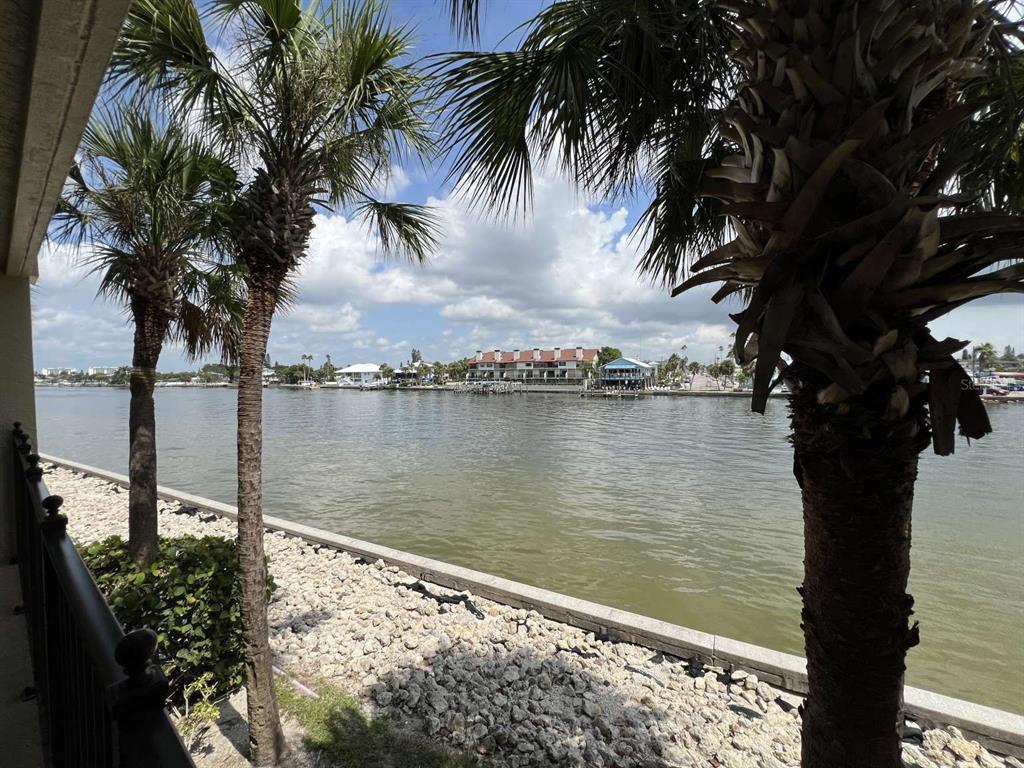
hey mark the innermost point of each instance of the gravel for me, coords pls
(514, 686)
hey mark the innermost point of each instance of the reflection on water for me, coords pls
(680, 508)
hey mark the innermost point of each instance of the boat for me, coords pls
(346, 382)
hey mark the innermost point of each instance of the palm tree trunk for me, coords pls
(266, 740)
(150, 329)
(857, 498)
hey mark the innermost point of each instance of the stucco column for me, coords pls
(17, 393)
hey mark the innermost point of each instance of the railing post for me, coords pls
(54, 636)
(18, 506)
(34, 471)
(54, 523)
(138, 700)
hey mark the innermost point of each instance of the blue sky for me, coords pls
(564, 277)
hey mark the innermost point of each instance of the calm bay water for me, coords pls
(684, 509)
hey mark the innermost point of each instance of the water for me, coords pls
(680, 508)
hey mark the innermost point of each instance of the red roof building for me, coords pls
(538, 366)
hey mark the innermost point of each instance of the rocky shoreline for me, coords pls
(495, 680)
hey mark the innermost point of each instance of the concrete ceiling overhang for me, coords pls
(53, 54)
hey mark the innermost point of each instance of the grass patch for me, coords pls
(337, 729)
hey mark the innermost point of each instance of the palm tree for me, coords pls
(148, 199)
(316, 102)
(849, 172)
(985, 356)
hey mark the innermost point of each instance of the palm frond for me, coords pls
(312, 104)
(990, 146)
(151, 200)
(403, 230)
(163, 48)
(603, 89)
(464, 17)
(71, 222)
(209, 317)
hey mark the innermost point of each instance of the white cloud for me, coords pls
(567, 276)
(393, 183)
(343, 319)
(62, 265)
(479, 308)
(343, 264)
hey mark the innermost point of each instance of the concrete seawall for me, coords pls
(998, 730)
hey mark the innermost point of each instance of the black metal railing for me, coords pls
(101, 695)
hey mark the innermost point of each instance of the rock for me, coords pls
(413, 694)
(522, 690)
(962, 748)
(437, 701)
(604, 727)
(913, 757)
(429, 649)
(426, 608)
(622, 748)
(556, 751)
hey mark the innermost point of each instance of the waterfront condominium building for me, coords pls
(533, 366)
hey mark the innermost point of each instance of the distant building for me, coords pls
(627, 373)
(533, 366)
(414, 373)
(51, 372)
(360, 373)
(102, 371)
(269, 377)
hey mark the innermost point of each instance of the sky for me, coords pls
(563, 277)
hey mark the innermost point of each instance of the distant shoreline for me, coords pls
(529, 389)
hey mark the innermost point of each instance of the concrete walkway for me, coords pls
(19, 720)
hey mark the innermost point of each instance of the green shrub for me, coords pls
(189, 596)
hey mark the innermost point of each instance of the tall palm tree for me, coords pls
(985, 355)
(148, 200)
(316, 102)
(848, 171)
